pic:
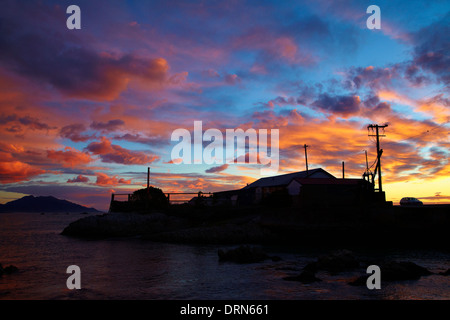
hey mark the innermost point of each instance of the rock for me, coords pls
(360, 281)
(395, 271)
(229, 234)
(120, 224)
(275, 258)
(243, 254)
(8, 270)
(446, 273)
(305, 277)
(404, 270)
(338, 261)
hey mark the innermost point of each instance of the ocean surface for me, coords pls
(136, 269)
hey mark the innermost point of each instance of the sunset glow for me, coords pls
(83, 113)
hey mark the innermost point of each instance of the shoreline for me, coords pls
(393, 226)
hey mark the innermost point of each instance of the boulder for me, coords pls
(446, 273)
(8, 270)
(403, 270)
(396, 271)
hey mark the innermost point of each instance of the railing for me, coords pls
(167, 194)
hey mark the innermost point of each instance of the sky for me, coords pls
(84, 112)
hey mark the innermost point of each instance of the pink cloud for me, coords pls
(111, 153)
(69, 157)
(232, 79)
(105, 180)
(79, 178)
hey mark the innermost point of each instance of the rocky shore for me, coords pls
(167, 228)
(123, 225)
(8, 270)
(257, 225)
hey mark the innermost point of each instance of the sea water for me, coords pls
(131, 268)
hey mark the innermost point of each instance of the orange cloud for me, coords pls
(105, 180)
(69, 157)
(16, 171)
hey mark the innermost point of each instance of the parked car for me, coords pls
(409, 201)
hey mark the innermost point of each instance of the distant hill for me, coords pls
(44, 204)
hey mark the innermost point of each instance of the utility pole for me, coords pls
(148, 178)
(367, 162)
(343, 170)
(306, 158)
(379, 151)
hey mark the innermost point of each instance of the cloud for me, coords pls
(372, 77)
(174, 161)
(272, 46)
(29, 122)
(111, 153)
(16, 171)
(217, 169)
(74, 133)
(111, 125)
(232, 79)
(67, 62)
(343, 105)
(78, 178)
(151, 140)
(69, 157)
(432, 48)
(105, 180)
(210, 73)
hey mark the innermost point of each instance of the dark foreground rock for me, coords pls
(122, 224)
(446, 273)
(307, 276)
(229, 233)
(245, 254)
(396, 271)
(338, 261)
(8, 270)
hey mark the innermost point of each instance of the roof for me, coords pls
(284, 179)
(319, 181)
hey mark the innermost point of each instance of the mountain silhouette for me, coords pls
(44, 204)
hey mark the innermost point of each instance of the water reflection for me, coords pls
(136, 269)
